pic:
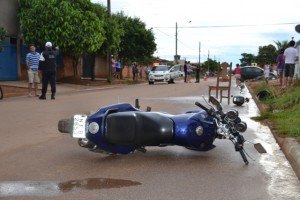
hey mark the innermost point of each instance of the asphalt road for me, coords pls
(38, 162)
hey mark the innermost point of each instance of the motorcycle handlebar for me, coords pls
(202, 106)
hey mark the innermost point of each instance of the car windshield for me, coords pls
(160, 68)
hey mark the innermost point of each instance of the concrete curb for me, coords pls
(289, 146)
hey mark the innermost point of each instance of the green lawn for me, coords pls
(283, 108)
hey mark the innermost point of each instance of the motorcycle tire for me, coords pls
(65, 125)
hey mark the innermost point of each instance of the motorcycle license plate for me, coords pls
(79, 126)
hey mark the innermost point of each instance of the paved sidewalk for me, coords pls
(62, 88)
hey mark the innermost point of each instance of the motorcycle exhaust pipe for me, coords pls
(85, 143)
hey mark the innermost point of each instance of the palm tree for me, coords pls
(281, 45)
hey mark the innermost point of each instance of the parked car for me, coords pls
(272, 76)
(251, 72)
(162, 73)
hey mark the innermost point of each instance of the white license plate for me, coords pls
(79, 126)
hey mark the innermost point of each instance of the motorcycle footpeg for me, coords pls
(65, 125)
(141, 149)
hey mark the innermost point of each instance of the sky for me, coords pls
(221, 29)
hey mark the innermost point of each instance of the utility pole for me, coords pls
(208, 61)
(199, 54)
(199, 60)
(109, 78)
(176, 55)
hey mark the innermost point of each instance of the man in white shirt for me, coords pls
(290, 58)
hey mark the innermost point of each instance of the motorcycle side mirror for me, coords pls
(215, 102)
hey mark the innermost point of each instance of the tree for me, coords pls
(113, 31)
(74, 25)
(137, 43)
(211, 65)
(2, 36)
(266, 54)
(247, 59)
(281, 45)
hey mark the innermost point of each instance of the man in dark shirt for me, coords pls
(48, 68)
(185, 71)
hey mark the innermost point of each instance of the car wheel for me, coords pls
(171, 81)
(151, 83)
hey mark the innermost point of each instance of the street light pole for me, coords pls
(176, 55)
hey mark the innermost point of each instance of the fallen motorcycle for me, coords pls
(122, 129)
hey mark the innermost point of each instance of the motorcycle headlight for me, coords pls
(241, 127)
(232, 115)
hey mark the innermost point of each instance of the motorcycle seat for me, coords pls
(138, 128)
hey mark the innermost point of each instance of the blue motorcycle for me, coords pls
(122, 128)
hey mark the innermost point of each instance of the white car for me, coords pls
(161, 73)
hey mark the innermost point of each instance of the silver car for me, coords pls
(162, 73)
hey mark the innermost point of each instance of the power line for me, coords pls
(232, 26)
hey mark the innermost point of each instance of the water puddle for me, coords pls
(48, 188)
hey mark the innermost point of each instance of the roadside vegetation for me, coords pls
(81, 27)
(2, 36)
(282, 108)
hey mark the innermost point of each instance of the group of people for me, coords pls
(188, 70)
(137, 71)
(286, 64)
(116, 68)
(42, 65)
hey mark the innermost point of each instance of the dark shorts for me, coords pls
(289, 70)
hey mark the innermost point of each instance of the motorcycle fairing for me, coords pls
(138, 128)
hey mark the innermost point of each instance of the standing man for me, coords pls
(134, 71)
(280, 66)
(185, 68)
(118, 69)
(32, 63)
(237, 75)
(290, 58)
(48, 68)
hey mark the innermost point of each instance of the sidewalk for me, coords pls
(20, 87)
(289, 146)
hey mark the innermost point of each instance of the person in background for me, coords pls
(189, 72)
(118, 69)
(134, 71)
(113, 66)
(280, 66)
(185, 68)
(48, 68)
(141, 72)
(147, 72)
(197, 73)
(267, 72)
(237, 75)
(290, 57)
(32, 63)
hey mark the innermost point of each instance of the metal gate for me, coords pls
(88, 66)
(8, 62)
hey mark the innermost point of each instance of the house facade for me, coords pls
(12, 58)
